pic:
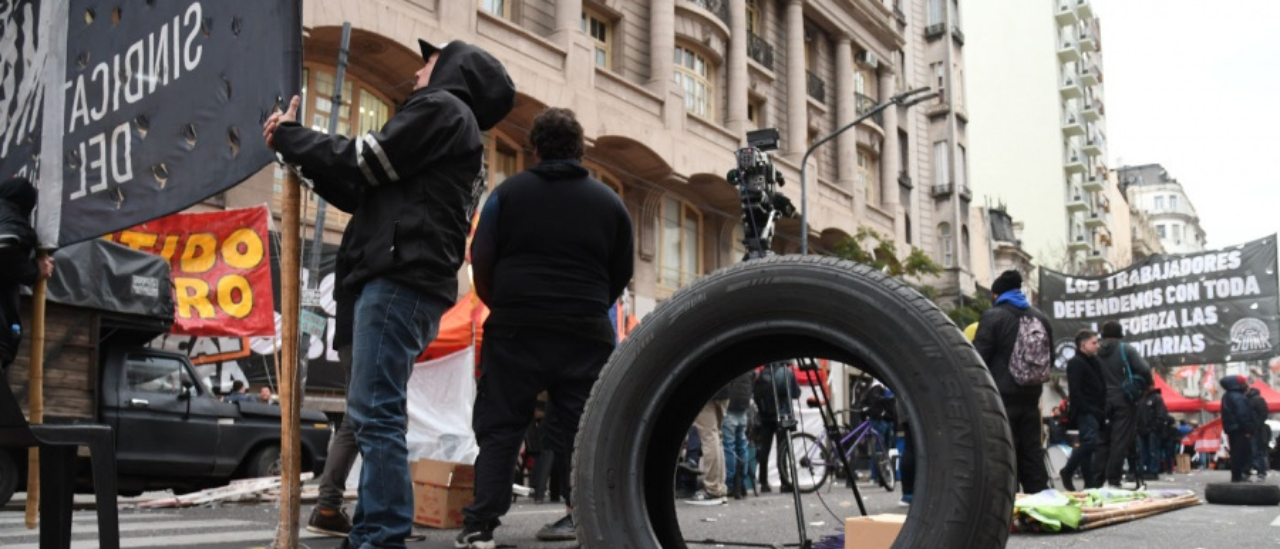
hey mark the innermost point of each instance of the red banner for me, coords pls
(221, 269)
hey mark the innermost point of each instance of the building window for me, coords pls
(944, 244)
(1173, 202)
(753, 17)
(1160, 231)
(941, 162)
(600, 30)
(965, 250)
(755, 114)
(693, 74)
(866, 175)
(681, 249)
(939, 80)
(1159, 204)
(904, 153)
(503, 158)
(500, 8)
(961, 183)
(906, 221)
(1177, 234)
(936, 15)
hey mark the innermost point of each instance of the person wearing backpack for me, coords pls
(1016, 342)
(1127, 377)
(18, 264)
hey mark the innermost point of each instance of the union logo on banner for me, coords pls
(220, 266)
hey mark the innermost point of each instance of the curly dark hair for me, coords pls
(557, 135)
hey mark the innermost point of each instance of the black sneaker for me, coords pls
(473, 537)
(561, 530)
(329, 522)
(1066, 481)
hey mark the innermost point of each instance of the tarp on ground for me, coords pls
(1270, 395)
(1175, 401)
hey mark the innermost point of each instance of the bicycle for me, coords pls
(815, 462)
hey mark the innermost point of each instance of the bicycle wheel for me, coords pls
(887, 476)
(813, 463)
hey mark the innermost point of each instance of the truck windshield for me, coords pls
(155, 374)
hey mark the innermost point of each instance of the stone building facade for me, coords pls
(666, 89)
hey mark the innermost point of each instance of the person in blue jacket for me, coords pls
(1239, 423)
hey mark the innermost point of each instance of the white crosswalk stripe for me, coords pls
(1276, 522)
(146, 530)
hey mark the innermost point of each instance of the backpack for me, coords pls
(1031, 360)
(1134, 386)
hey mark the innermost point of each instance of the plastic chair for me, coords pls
(58, 444)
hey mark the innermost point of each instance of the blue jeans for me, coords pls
(393, 324)
(885, 429)
(733, 431)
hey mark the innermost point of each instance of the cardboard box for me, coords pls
(1183, 464)
(440, 490)
(873, 531)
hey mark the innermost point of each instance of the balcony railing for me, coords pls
(904, 179)
(817, 87)
(760, 50)
(934, 31)
(958, 35)
(897, 12)
(966, 193)
(864, 105)
(941, 191)
(718, 7)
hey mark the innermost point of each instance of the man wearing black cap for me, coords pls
(18, 264)
(1127, 377)
(1003, 329)
(411, 188)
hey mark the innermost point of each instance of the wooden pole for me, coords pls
(290, 447)
(35, 395)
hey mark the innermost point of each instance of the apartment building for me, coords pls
(1039, 134)
(666, 89)
(1165, 205)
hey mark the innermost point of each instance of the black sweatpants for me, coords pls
(1118, 437)
(1241, 455)
(1024, 423)
(516, 364)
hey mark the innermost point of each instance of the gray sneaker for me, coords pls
(703, 498)
(561, 530)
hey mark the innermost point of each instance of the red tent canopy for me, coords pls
(1173, 400)
(460, 327)
(1206, 438)
(1270, 395)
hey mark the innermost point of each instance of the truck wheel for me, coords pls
(781, 308)
(1242, 493)
(8, 476)
(264, 463)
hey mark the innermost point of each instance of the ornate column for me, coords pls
(568, 21)
(797, 135)
(662, 45)
(736, 117)
(890, 158)
(846, 112)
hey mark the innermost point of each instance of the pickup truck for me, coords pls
(172, 431)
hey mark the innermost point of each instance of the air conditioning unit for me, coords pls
(867, 59)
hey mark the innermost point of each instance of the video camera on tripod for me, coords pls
(757, 180)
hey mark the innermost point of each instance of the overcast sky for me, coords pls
(1195, 86)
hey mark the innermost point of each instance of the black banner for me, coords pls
(131, 110)
(1209, 307)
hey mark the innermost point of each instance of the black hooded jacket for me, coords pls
(1237, 416)
(18, 238)
(413, 186)
(554, 248)
(1085, 387)
(1259, 407)
(1112, 362)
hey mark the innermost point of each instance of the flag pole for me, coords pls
(290, 275)
(35, 394)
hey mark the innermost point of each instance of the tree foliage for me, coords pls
(871, 248)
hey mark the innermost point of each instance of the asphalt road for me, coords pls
(764, 519)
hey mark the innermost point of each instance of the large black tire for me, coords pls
(781, 308)
(813, 463)
(265, 462)
(8, 476)
(1242, 493)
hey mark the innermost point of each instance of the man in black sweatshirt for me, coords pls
(552, 253)
(1127, 377)
(411, 188)
(1088, 397)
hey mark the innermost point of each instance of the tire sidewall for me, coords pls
(964, 489)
